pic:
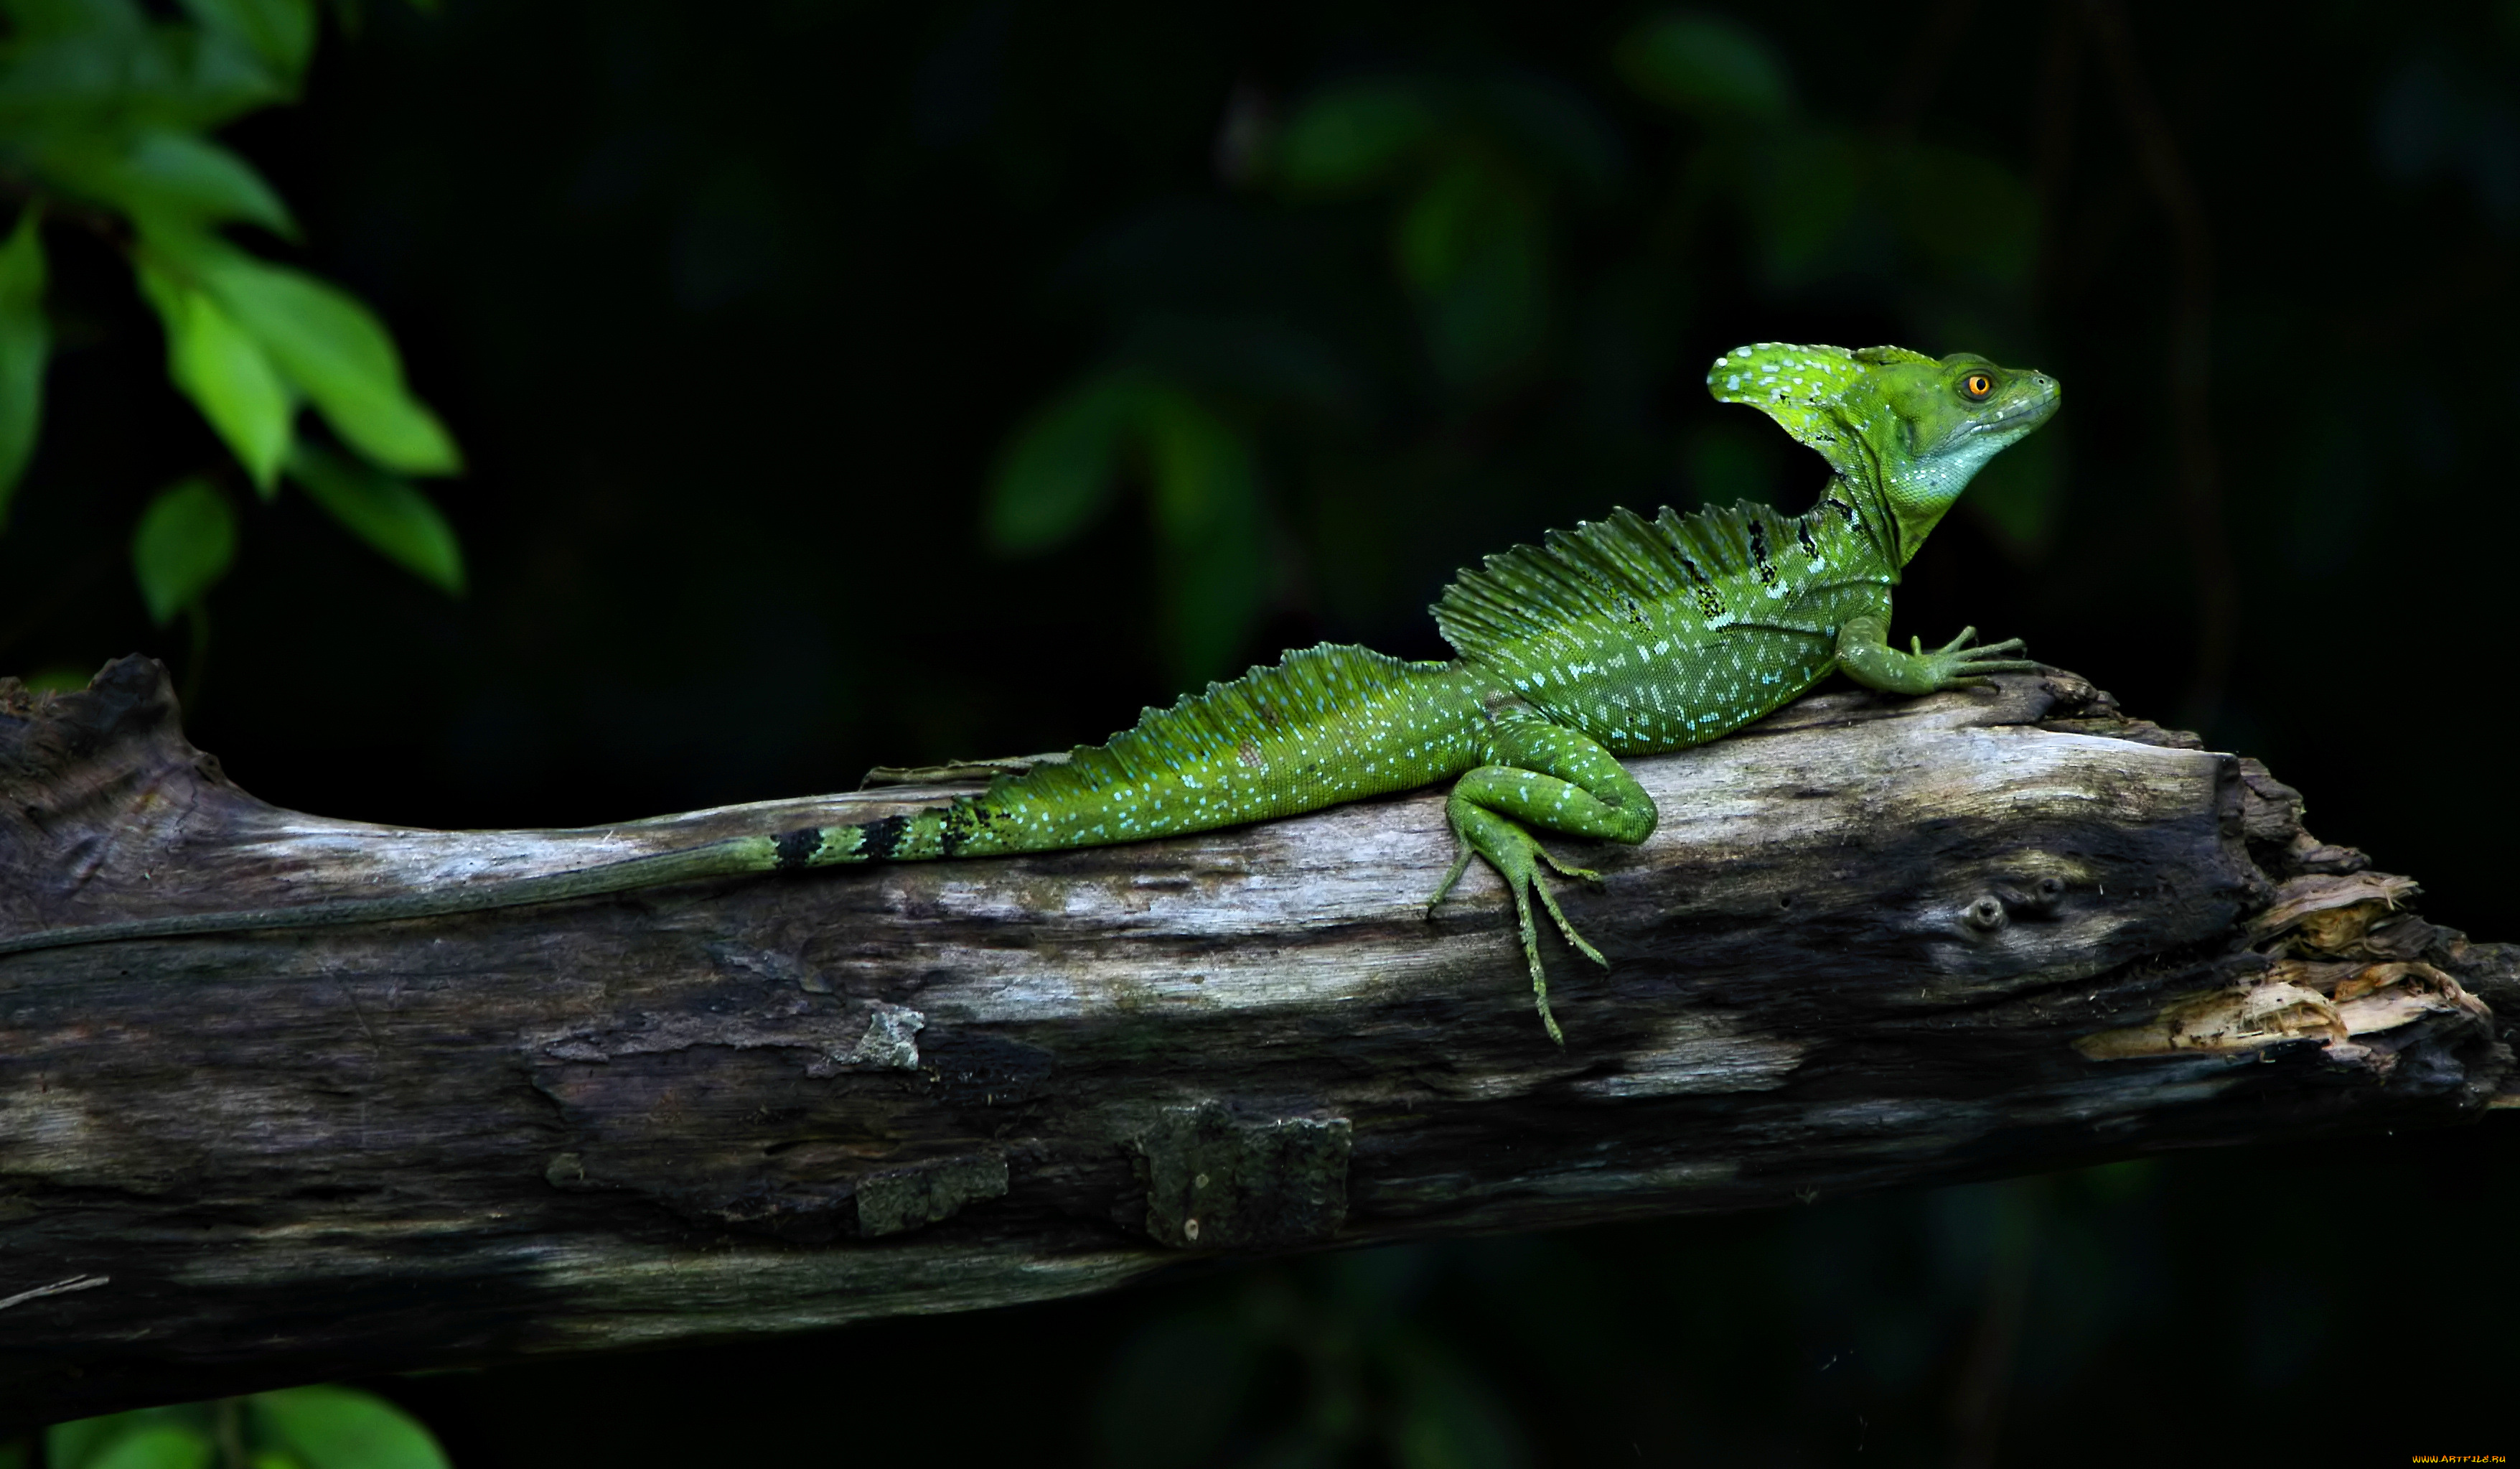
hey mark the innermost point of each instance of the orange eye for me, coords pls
(1977, 386)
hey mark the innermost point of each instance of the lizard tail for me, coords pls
(728, 858)
(1327, 725)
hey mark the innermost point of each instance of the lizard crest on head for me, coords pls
(1903, 431)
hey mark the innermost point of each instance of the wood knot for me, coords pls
(2040, 896)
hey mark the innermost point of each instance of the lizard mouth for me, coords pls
(2033, 406)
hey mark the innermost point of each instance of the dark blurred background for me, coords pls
(846, 384)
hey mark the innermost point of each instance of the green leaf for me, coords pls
(1206, 492)
(110, 68)
(1552, 129)
(164, 1445)
(1061, 468)
(226, 374)
(1203, 496)
(1704, 66)
(334, 350)
(2120, 1183)
(26, 342)
(170, 180)
(1201, 465)
(59, 679)
(53, 20)
(1353, 136)
(185, 542)
(1448, 1419)
(1440, 227)
(1806, 202)
(70, 1445)
(339, 1428)
(386, 512)
(1473, 247)
(149, 1439)
(282, 32)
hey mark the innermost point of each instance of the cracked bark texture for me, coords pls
(1874, 943)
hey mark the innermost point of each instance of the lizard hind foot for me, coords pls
(1529, 885)
(1518, 860)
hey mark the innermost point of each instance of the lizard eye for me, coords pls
(1976, 387)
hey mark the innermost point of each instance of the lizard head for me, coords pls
(1903, 429)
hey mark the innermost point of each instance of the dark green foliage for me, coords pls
(383, 510)
(298, 1428)
(1706, 65)
(103, 116)
(1316, 1364)
(1455, 193)
(184, 545)
(1202, 500)
(26, 341)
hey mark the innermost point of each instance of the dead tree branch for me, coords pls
(1874, 943)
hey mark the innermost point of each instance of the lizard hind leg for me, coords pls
(1517, 858)
(1554, 778)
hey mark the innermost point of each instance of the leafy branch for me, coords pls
(106, 116)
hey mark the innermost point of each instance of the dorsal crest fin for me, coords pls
(1597, 569)
(1263, 706)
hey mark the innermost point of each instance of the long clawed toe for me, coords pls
(1962, 667)
(1443, 890)
(1522, 863)
(1580, 874)
(1558, 915)
(1531, 952)
(1961, 645)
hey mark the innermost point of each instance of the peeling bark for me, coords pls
(1874, 943)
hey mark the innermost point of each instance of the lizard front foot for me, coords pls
(1518, 858)
(1865, 653)
(1958, 666)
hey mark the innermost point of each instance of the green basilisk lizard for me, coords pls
(1622, 636)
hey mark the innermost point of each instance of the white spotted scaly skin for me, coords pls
(1621, 636)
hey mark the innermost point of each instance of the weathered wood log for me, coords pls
(1874, 943)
